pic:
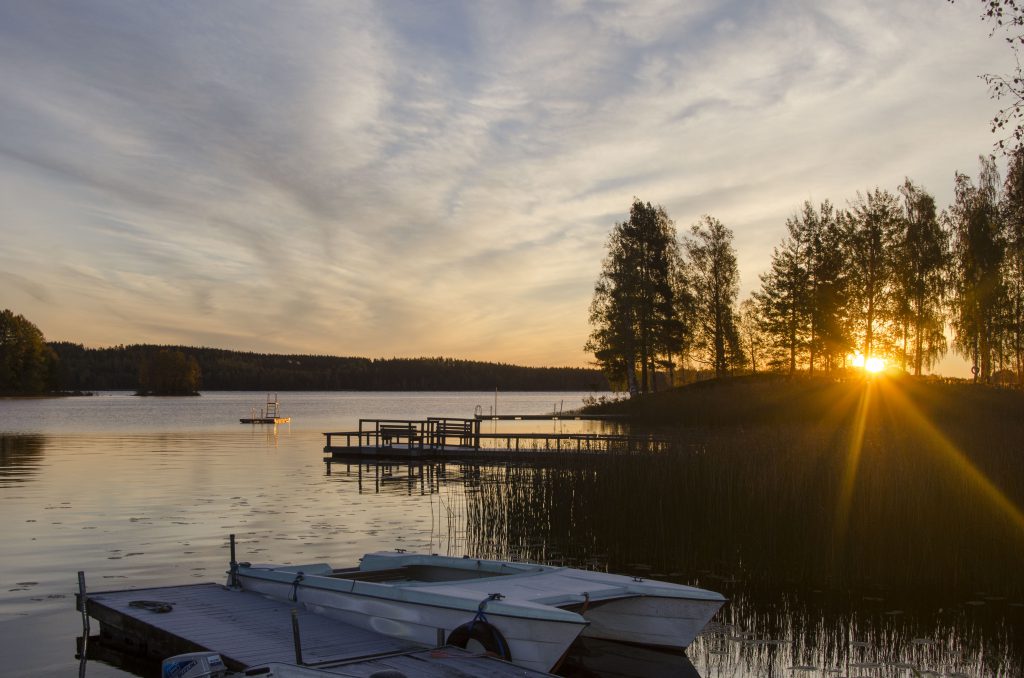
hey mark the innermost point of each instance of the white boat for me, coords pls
(528, 613)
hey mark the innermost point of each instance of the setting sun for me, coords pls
(872, 365)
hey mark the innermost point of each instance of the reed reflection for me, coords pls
(21, 458)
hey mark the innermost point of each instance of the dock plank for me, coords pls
(249, 630)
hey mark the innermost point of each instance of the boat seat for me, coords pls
(393, 574)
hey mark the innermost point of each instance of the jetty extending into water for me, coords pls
(462, 439)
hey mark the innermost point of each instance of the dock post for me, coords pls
(440, 637)
(85, 620)
(232, 565)
(296, 638)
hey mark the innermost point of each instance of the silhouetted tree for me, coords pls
(634, 309)
(830, 280)
(1008, 16)
(783, 300)
(715, 279)
(1013, 262)
(27, 364)
(118, 368)
(873, 235)
(803, 296)
(977, 258)
(752, 337)
(921, 264)
(169, 372)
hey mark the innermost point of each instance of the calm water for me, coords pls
(144, 491)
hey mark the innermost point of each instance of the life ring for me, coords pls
(483, 633)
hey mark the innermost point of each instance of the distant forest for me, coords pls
(118, 368)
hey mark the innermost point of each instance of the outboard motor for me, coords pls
(194, 665)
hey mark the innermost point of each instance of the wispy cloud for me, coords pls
(411, 178)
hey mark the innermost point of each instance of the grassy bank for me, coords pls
(771, 399)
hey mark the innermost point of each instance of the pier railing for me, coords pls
(446, 436)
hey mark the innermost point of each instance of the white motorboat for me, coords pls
(527, 613)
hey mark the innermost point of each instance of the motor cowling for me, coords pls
(193, 665)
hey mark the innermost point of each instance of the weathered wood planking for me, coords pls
(249, 630)
(244, 628)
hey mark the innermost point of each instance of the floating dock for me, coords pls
(271, 414)
(554, 416)
(454, 439)
(251, 632)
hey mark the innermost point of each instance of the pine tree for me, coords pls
(803, 297)
(782, 302)
(830, 279)
(635, 306)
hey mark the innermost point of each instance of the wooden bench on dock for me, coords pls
(390, 434)
(462, 430)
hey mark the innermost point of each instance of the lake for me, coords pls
(145, 491)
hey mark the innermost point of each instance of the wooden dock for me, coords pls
(462, 440)
(248, 631)
(554, 416)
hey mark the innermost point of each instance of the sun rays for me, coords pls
(849, 481)
(904, 413)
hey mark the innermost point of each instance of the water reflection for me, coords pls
(21, 458)
(846, 633)
(392, 478)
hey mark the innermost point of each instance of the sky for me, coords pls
(403, 179)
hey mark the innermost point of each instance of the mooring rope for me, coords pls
(294, 597)
(482, 617)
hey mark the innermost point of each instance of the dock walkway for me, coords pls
(461, 439)
(554, 416)
(249, 630)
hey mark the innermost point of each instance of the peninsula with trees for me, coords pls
(878, 284)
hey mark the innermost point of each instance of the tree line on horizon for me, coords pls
(118, 368)
(30, 365)
(882, 279)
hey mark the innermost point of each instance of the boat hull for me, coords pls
(650, 620)
(539, 609)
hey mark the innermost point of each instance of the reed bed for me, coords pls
(835, 494)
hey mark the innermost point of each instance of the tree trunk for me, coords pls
(634, 391)
(918, 339)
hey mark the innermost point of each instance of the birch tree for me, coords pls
(715, 276)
